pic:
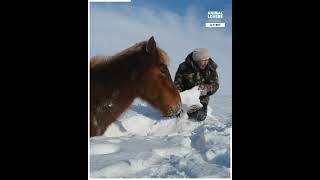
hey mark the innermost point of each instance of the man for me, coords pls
(198, 70)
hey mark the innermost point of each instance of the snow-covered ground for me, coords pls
(143, 144)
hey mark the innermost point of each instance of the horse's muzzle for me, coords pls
(175, 110)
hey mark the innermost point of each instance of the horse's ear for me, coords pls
(151, 45)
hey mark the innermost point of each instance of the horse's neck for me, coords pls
(120, 101)
(120, 81)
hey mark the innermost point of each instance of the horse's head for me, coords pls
(157, 87)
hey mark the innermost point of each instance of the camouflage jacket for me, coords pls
(189, 75)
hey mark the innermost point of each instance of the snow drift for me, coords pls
(144, 144)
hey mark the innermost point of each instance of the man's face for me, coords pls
(202, 64)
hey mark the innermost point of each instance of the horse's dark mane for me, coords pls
(100, 60)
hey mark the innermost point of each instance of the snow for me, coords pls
(144, 144)
(103, 149)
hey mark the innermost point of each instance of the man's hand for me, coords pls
(203, 92)
(204, 89)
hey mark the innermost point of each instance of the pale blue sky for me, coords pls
(178, 28)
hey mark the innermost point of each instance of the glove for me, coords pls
(193, 108)
(198, 115)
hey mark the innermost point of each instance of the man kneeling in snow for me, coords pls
(198, 69)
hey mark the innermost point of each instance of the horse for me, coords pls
(140, 71)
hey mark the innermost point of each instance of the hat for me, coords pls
(200, 54)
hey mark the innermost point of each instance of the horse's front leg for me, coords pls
(101, 121)
(94, 126)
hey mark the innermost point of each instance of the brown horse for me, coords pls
(115, 81)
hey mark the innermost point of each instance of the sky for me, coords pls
(177, 26)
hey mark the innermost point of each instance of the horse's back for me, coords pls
(98, 60)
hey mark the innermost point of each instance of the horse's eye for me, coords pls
(163, 69)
